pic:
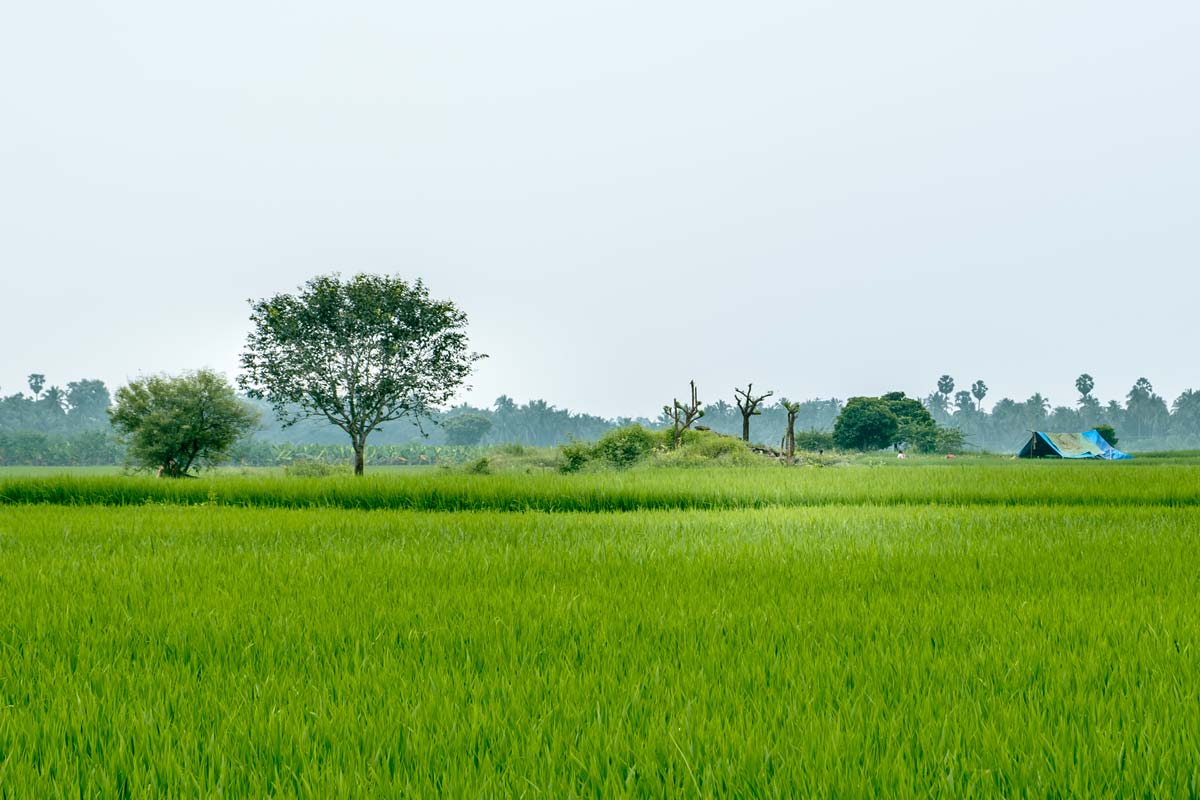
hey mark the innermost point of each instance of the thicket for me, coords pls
(625, 447)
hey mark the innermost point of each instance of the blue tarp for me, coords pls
(1111, 453)
(1090, 444)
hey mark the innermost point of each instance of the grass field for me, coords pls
(920, 629)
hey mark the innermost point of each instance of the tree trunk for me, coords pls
(745, 427)
(360, 446)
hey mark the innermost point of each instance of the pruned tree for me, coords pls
(682, 416)
(748, 404)
(789, 439)
(360, 353)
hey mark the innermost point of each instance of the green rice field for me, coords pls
(927, 629)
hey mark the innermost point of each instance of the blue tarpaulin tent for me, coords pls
(1089, 444)
(1110, 453)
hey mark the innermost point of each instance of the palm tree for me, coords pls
(979, 390)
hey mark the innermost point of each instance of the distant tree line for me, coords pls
(1145, 421)
(50, 424)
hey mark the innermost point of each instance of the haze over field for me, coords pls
(827, 199)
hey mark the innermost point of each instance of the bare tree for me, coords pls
(748, 404)
(684, 415)
(789, 440)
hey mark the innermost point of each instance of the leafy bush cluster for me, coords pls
(309, 468)
(619, 448)
(622, 448)
(814, 441)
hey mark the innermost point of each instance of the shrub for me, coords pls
(307, 468)
(1108, 433)
(575, 456)
(624, 447)
(480, 466)
(812, 441)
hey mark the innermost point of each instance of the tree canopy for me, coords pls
(359, 352)
(866, 423)
(177, 424)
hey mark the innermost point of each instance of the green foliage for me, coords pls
(480, 466)
(708, 449)
(576, 455)
(908, 410)
(359, 353)
(86, 448)
(88, 402)
(1108, 433)
(1084, 385)
(176, 424)
(814, 441)
(308, 468)
(466, 430)
(929, 437)
(619, 448)
(624, 447)
(866, 423)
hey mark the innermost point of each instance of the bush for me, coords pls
(624, 447)
(576, 455)
(1108, 433)
(480, 466)
(307, 468)
(931, 438)
(813, 441)
(704, 449)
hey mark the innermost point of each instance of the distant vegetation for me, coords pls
(69, 426)
(375, 357)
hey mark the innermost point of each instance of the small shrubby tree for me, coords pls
(177, 424)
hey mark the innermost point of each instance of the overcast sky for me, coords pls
(828, 199)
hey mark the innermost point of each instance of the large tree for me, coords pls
(359, 352)
(866, 423)
(177, 424)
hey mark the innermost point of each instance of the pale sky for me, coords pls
(828, 199)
